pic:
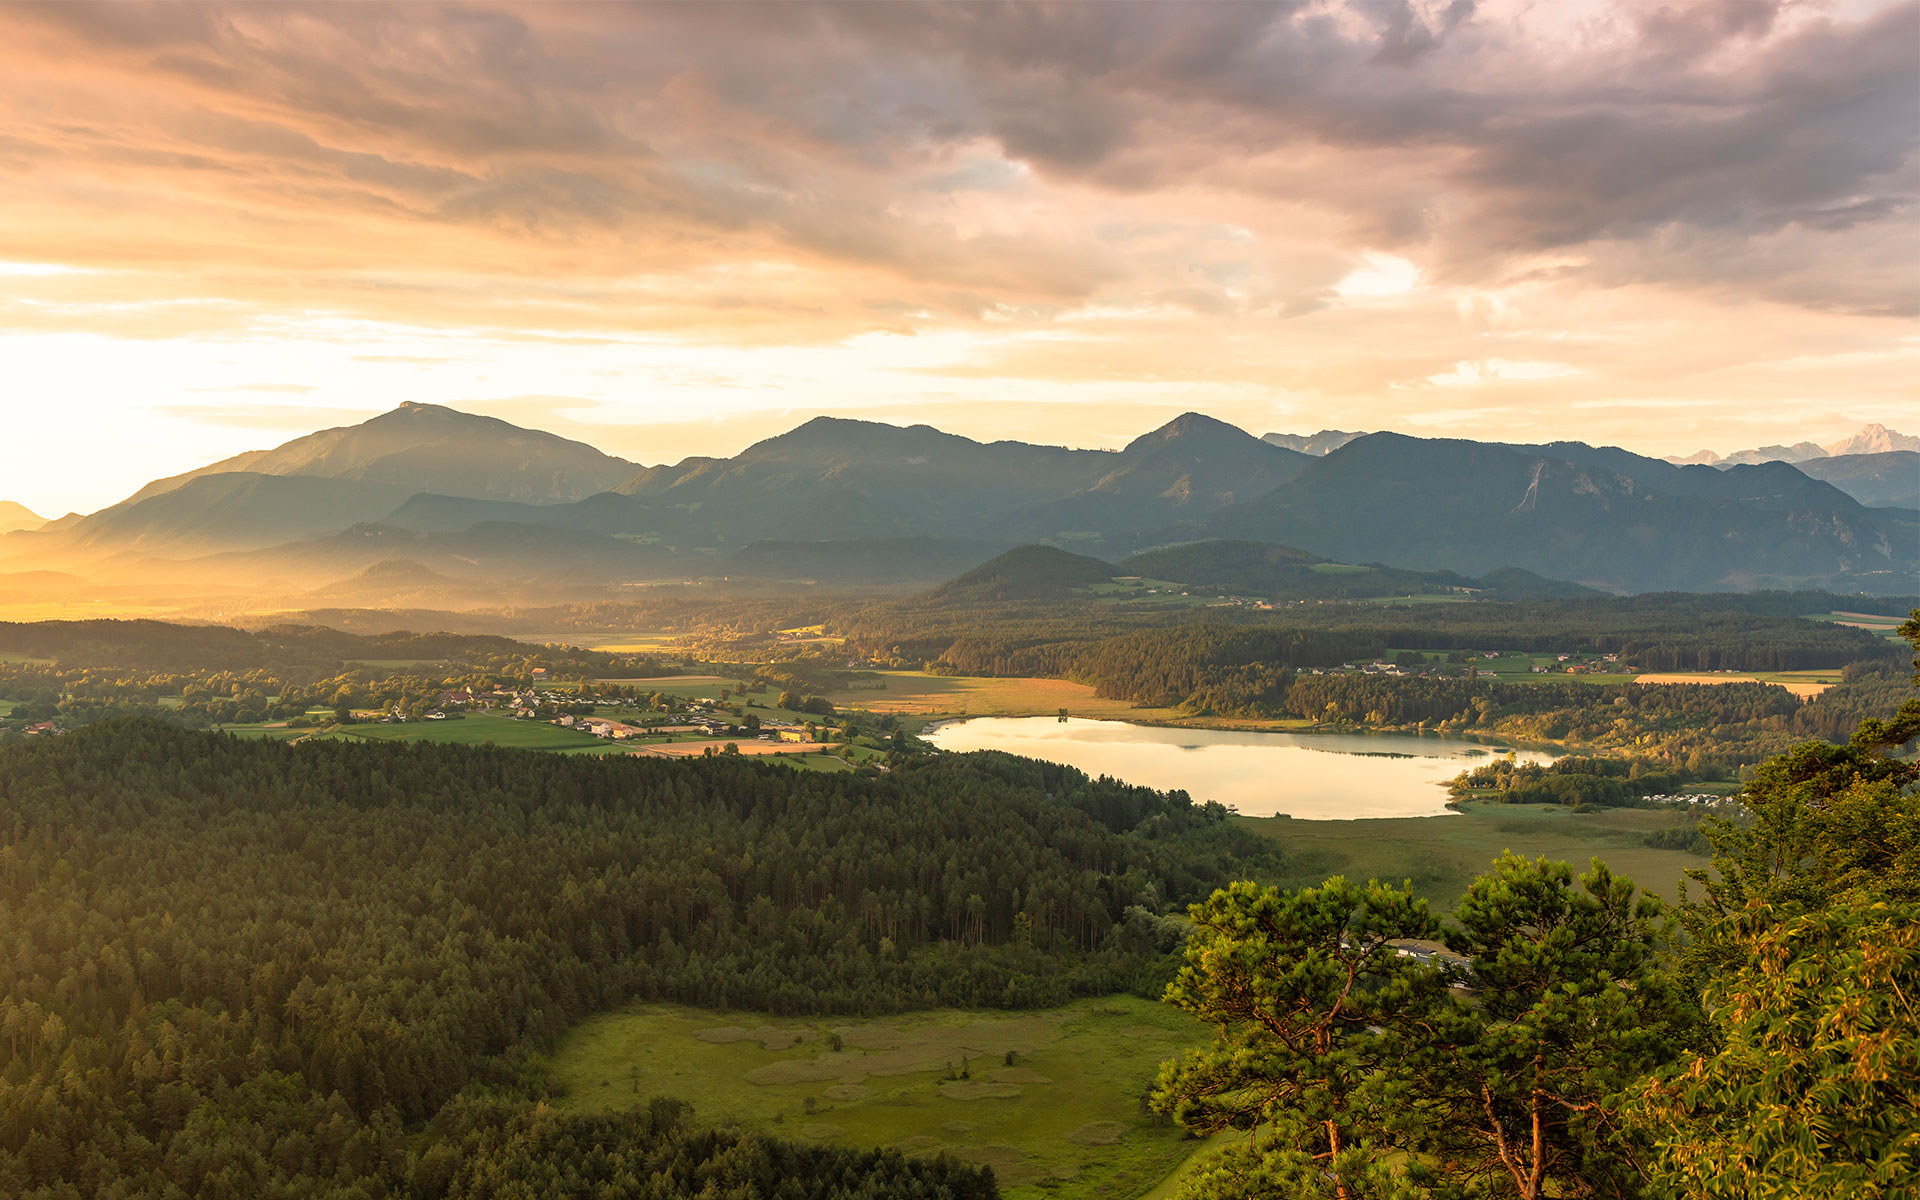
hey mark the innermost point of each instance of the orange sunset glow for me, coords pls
(675, 229)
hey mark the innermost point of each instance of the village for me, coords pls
(659, 724)
(1515, 665)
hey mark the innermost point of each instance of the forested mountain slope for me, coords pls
(1889, 479)
(1474, 507)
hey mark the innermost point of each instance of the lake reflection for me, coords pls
(1314, 775)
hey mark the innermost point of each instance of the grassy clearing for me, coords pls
(478, 729)
(474, 730)
(1801, 683)
(1441, 855)
(1877, 622)
(1334, 568)
(1063, 1120)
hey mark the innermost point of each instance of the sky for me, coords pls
(676, 229)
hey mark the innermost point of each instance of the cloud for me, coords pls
(1495, 370)
(302, 418)
(1328, 201)
(607, 141)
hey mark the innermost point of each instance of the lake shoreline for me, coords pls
(1287, 725)
(1322, 774)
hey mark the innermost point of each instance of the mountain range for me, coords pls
(1871, 439)
(426, 499)
(1317, 444)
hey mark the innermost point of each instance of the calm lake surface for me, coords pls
(1322, 776)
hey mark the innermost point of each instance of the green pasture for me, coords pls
(1062, 1120)
(1334, 568)
(1441, 855)
(478, 729)
(1885, 626)
(468, 731)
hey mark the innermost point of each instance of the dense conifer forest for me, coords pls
(235, 964)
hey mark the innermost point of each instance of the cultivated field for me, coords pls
(1063, 1120)
(1801, 683)
(1877, 622)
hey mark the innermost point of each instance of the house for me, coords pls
(40, 727)
(615, 730)
(791, 734)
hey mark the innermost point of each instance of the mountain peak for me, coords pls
(1319, 445)
(839, 438)
(1188, 426)
(1873, 438)
(431, 448)
(15, 516)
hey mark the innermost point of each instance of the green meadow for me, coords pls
(479, 729)
(1441, 855)
(1050, 1099)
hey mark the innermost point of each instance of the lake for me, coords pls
(1323, 776)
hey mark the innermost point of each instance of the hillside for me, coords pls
(1474, 507)
(15, 516)
(871, 561)
(237, 510)
(1889, 478)
(1319, 445)
(501, 561)
(1171, 478)
(1024, 573)
(428, 448)
(847, 479)
(1263, 571)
